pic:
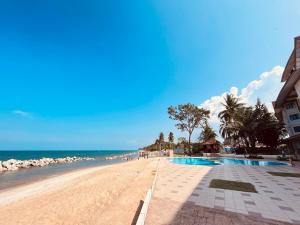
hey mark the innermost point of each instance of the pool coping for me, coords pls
(280, 163)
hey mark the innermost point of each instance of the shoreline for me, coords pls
(83, 196)
(38, 179)
(27, 175)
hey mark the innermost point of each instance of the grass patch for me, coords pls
(232, 185)
(279, 174)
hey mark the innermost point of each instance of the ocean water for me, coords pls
(23, 155)
(11, 179)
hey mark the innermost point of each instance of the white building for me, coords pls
(287, 105)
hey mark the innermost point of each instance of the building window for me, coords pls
(290, 105)
(294, 117)
(297, 129)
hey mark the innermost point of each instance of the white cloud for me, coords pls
(266, 88)
(21, 113)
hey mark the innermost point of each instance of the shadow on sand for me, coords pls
(137, 213)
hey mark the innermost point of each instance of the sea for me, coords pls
(9, 179)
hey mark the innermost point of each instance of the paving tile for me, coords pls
(246, 194)
(249, 202)
(267, 191)
(286, 208)
(275, 198)
(256, 214)
(272, 201)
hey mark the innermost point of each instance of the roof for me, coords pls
(289, 67)
(210, 142)
(287, 89)
(290, 76)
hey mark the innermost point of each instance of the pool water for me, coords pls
(224, 161)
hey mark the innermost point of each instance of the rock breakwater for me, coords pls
(14, 164)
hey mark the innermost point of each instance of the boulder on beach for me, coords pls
(13, 164)
(10, 164)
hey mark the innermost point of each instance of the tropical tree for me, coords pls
(161, 137)
(161, 140)
(189, 118)
(183, 143)
(231, 105)
(207, 133)
(158, 146)
(249, 126)
(269, 130)
(228, 127)
(171, 139)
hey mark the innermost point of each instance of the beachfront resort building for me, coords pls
(287, 105)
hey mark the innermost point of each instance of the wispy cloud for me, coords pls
(266, 88)
(21, 113)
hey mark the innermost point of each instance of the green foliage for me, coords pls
(160, 143)
(171, 137)
(161, 137)
(207, 134)
(189, 117)
(249, 126)
(171, 140)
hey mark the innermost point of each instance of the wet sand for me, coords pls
(102, 195)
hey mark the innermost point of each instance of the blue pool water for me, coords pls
(222, 161)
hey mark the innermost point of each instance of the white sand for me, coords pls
(101, 195)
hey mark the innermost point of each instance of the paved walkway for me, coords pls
(182, 196)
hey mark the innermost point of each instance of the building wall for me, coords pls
(291, 117)
(297, 87)
(297, 51)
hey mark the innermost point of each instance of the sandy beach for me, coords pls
(102, 195)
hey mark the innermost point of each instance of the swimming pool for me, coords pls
(224, 161)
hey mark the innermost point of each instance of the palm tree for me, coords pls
(157, 145)
(161, 139)
(233, 106)
(171, 139)
(207, 133)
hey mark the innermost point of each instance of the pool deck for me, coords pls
(182, 196)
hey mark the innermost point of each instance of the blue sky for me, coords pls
(101, 74)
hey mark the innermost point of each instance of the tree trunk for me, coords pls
(190, 152)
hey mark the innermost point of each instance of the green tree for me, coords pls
(269, 130)
(207, 133)
(183, 143)
(157, 144)
(232, 107)
(161, 137)
(248, 126)
(189, 118)
(161, 140)
(171, 140)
